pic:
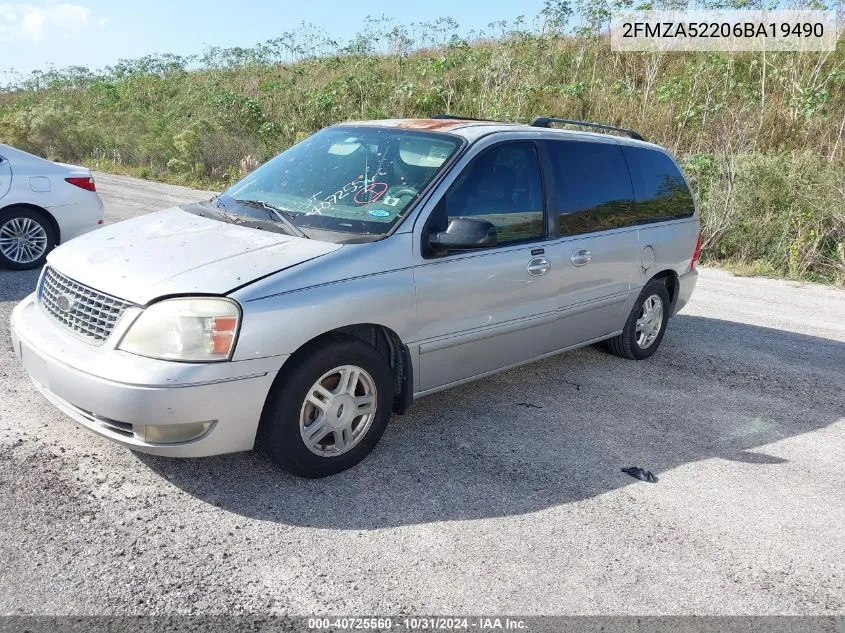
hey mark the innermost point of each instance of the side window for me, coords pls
(660, 192)
(503, 186)
(593, 186)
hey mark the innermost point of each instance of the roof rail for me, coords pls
(542, 121)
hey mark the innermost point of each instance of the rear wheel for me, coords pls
(26, 237)
(328, 409)
(646, 324)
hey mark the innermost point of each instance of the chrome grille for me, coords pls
(90, 314)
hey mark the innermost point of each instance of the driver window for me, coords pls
(503, 186)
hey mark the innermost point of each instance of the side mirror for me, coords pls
(464, 234)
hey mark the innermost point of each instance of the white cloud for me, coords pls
(37, 22)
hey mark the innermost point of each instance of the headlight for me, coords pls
(200, 329)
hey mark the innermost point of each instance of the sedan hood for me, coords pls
(176, 252)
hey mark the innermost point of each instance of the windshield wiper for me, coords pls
(279, 213)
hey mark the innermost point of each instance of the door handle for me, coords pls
(581, 257)
(539, 266)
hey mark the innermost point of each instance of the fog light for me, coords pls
(175, 433)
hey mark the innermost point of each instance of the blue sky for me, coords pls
(95, 33)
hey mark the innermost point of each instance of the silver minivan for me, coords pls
(371, 264)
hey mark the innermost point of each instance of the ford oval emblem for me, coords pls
(64, 303)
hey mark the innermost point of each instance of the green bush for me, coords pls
(780, 214)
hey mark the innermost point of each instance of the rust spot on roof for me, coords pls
(428, 124)
(432, 124)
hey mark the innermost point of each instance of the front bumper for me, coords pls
(118, 395)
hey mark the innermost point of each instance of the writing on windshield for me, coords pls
(353, 178)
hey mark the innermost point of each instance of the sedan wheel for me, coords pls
(25, 238)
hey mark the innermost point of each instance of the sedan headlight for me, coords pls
(200, 329)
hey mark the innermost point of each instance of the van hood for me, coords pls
(176, 252)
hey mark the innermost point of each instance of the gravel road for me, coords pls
(504, 496)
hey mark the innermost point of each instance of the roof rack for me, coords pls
(542, 121)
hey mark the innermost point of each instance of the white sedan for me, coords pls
(42, 204)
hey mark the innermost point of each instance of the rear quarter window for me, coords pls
(660, 191)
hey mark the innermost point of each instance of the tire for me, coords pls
(290, 415)
(32, 226)
(638, 346)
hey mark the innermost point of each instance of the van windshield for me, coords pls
(349, 179)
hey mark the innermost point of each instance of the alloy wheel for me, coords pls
(23, 240)
(649, 321)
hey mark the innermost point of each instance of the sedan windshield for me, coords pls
(349, 179)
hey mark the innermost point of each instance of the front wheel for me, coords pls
(646, 323)
(328, 409)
